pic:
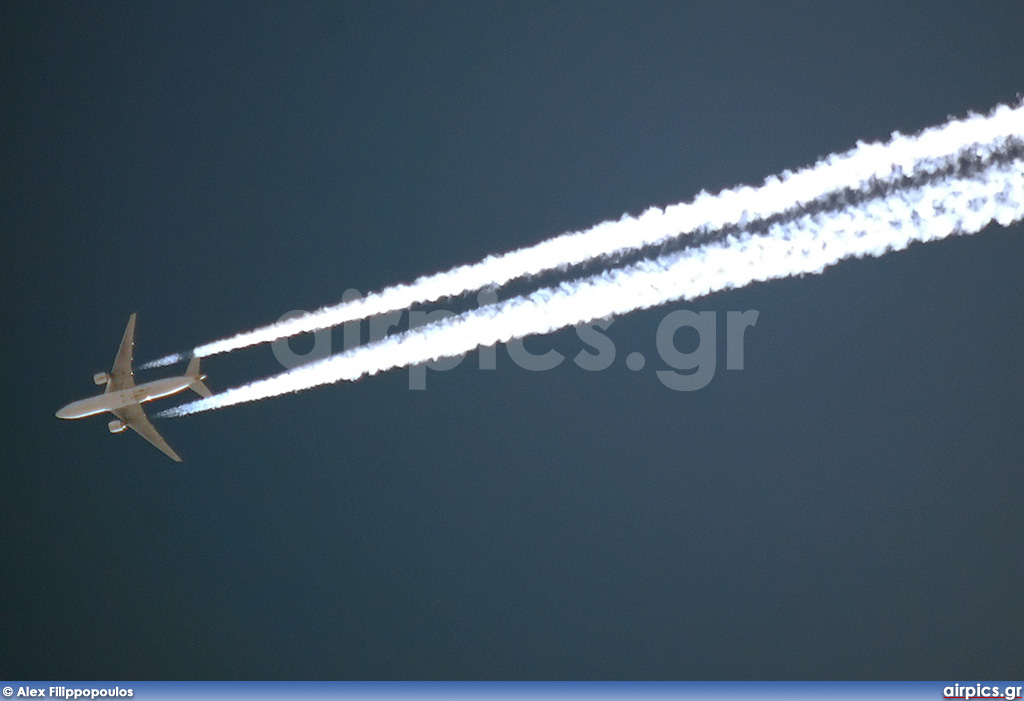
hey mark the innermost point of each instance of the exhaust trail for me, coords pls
(989, 187)
(860, 169)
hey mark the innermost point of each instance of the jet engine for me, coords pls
(101, 378)
(116, 426)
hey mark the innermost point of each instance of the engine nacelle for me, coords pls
(101, 378)
(116, 426)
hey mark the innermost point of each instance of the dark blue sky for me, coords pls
(850, 505)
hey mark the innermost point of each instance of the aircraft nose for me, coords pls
(62, 413)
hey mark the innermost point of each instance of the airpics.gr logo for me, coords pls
(981, 691)
(680, 371)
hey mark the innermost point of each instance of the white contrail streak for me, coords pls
(857, 169)
(933, 208)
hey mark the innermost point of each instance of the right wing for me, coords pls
(121, 375)
(135, 418)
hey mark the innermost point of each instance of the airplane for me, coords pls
(123, 398)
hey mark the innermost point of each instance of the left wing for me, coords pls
(121, 375)
(134, 418)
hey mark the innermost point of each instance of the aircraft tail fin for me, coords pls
(197, 385)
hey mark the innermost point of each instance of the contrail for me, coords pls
(860, 169)
(982, 183)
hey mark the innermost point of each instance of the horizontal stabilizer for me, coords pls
(197, 385)
(199, 388)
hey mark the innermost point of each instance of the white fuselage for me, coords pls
(138, 394)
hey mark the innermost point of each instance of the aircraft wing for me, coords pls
(121, 375)
(135, 418)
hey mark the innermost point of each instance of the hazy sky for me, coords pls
(849, 505)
